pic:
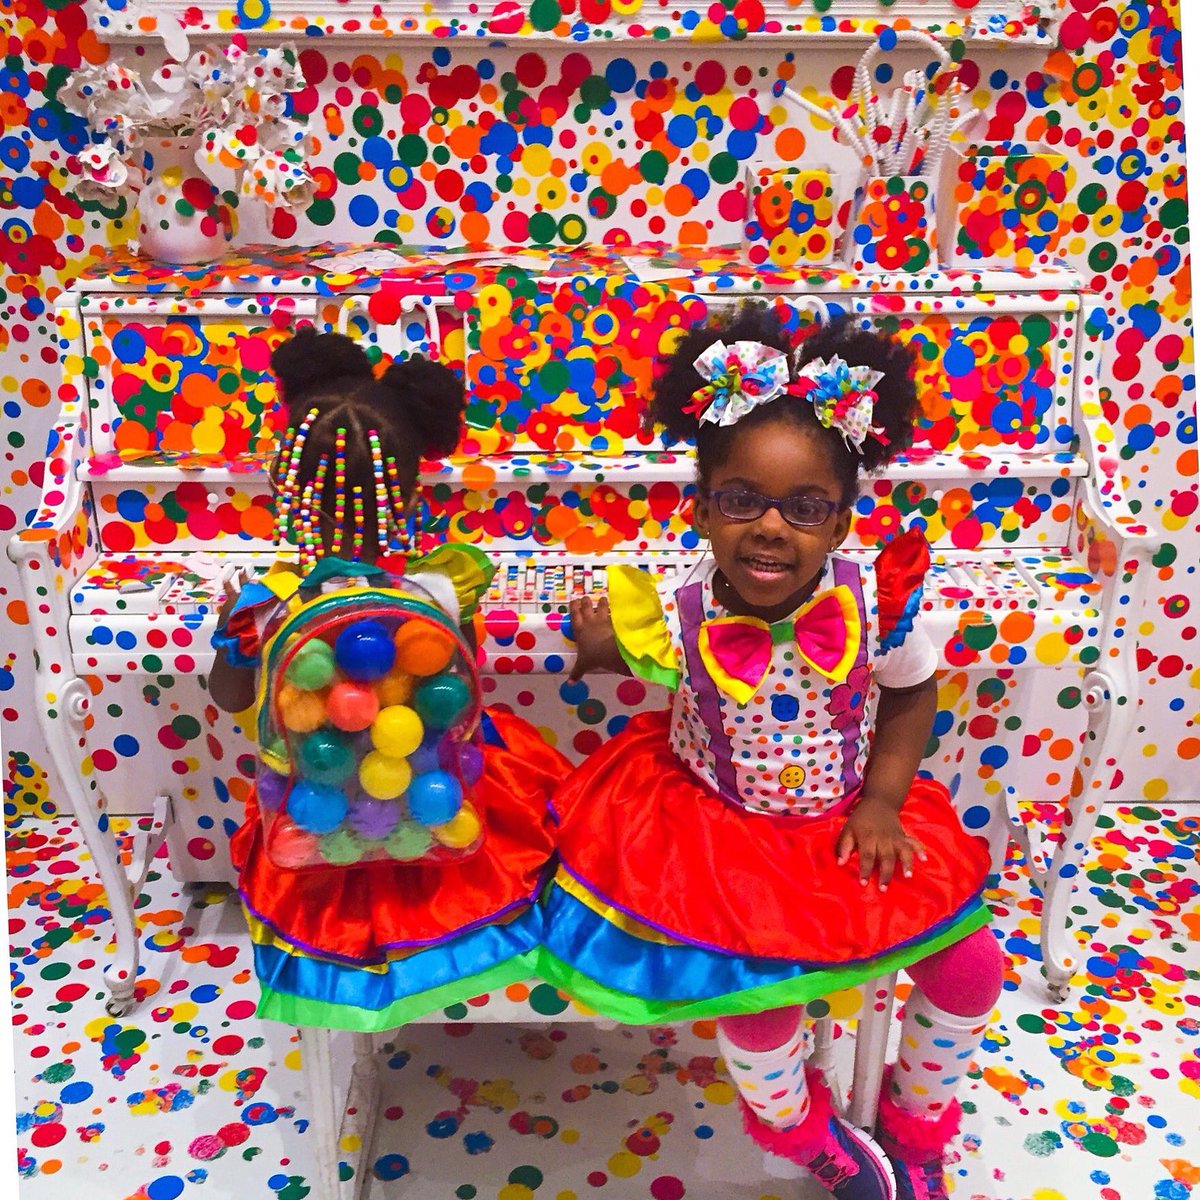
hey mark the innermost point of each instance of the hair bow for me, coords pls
(842, 398)
(740, 377)
(827, 633)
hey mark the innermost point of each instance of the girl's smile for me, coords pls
(769, 567)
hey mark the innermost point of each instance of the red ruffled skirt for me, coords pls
(644, 836)
(359, 914)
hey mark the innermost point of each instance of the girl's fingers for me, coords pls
(866, 862)
(887, 864)
(844, 847)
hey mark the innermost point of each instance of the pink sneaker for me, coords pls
(844, 1160)
(916, 1145)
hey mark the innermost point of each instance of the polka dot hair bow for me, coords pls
(740, 378)
(842, 398)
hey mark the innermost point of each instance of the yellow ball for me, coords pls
(462, 830)
(397, 731)
(382, 776)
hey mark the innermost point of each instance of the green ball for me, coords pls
(311, 666)
(408, 841)
(326, 757)
(441, 700)
(342, 847)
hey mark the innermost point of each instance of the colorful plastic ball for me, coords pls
(271, 788)
(408, 841)
(275, 756)
(351, 706)
(397, 731)
(441, 700)
(311, 666)
(428, 755)
(364, 651)
(434, 798)
(470, 761)
(462, 830)
(383, 777)
(299, 710)
(290, 846)
(316, 808)
(373, 819)
(423, 649)
(341, 848)
(325, 757)
(396, 687)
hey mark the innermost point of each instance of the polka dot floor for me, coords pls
(192, 1096)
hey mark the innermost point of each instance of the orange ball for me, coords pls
(423, 649)
(396, 687)
(300, 711)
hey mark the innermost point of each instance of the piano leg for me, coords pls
(122, 884)
(1112, 710)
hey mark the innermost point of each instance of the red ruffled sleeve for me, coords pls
(899, 580)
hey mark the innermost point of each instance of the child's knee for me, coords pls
(764, 1030)
(965, 978)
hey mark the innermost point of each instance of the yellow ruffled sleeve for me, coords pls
(468, 568)
(640, 626)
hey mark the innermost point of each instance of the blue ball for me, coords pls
(364, 651)
(317, 809)
(434, 798)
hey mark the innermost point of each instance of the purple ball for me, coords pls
(426, 756)
(470, 761)
(373, 819)
(272, 787)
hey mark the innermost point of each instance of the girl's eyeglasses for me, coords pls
(801, 512)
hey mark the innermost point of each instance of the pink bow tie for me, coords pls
(827, 632)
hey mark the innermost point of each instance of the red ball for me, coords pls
(352, 706)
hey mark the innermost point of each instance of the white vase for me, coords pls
(182, 217)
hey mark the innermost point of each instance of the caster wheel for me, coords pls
(115, 1007)
(1059, 992)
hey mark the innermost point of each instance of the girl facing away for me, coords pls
(369, 945)
(766, 840)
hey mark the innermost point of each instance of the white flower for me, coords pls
(102, 172)
(234, 99)
(279, 177)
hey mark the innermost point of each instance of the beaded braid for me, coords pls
(339, 490)
(287, 489)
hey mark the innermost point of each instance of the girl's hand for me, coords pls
(592, 631)
(233, 589)
(873, 829)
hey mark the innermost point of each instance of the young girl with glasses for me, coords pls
(766, 840)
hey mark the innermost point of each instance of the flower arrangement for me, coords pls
(233, 102)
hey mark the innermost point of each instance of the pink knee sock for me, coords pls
(764, 1030)
(963, 979)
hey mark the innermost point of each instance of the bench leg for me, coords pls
(870, 1050)
(316, 1062)
(1111, 715)
(340, 1114)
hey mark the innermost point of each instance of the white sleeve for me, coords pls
(910, 663)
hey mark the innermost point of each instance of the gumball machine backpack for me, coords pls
(368, 734)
